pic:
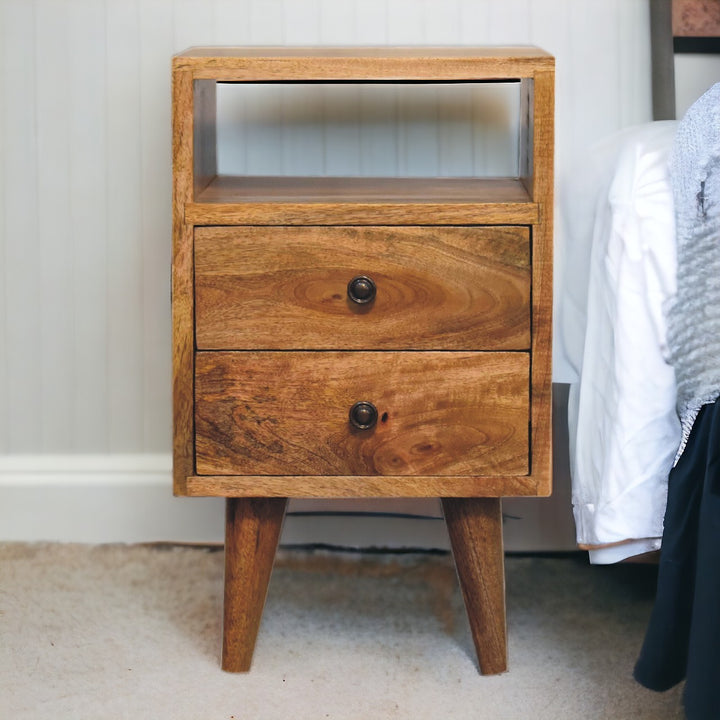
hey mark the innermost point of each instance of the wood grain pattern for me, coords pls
(273, 424)
(237, 200)
(270, 413)
(400, 190)
(252, 532)
(361, 213)
(437, 288)
(182, 283)
(265, 64)
(446, 200)
(542, 259)
(475, 529)
(325, 64)
(360, 486)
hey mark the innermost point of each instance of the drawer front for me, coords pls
(438, 413)
(465, 288)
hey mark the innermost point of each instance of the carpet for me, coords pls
(116, 631)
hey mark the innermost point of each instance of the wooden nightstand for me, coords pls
(361, 337)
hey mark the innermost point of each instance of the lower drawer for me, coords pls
(288, 413)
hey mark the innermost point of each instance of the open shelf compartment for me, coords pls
(284, 200)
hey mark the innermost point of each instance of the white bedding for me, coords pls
(619, 273)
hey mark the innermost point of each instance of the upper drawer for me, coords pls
(461, 288)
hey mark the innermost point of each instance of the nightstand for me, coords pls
(361, 337)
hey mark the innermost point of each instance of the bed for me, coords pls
(640, 325)
(619, 275)
(619, 280)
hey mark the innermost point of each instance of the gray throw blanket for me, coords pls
(694, 315)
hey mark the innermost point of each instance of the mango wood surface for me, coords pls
(272, 425)
(542, 281)
(437, 288)
(475, 529)
(182, 283)
(286, 413)
(401, 190)
(360, 486)
(241, 200)
(252, 531)
(275, 64)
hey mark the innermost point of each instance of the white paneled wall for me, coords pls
(375, 130)
(85, 184)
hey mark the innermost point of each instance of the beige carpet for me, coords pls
(134, 632)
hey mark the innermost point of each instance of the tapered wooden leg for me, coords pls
(252, 532)
(475, 529)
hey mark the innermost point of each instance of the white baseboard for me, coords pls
(100, 499)
(128, 499)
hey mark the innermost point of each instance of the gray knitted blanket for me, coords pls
(694, 315)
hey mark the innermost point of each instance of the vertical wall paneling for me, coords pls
(193, 22)
(633, 54)
(231, 25)
(592, 39)
(56, 266)
(86, 104)
(266, 22)
(125, 355)
(474, 22)
(405, 24)
(263, 132)
(337, 22)
(303, 139)
(441, 19)
(3, 262)
(22, 390)
(341, 112)
(378, 150)
(419, 141)
(511, 18)
(85, 183)
(156, 46)
(455, 131)
(301, 22)
(371, 22)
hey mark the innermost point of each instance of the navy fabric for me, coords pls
(683, 636)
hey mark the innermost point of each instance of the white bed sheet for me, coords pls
(619, 274)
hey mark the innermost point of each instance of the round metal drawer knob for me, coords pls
(361, 289)
(363, 415)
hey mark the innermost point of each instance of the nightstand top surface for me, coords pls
(419, 63)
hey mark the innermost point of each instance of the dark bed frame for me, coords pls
(665, 41)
